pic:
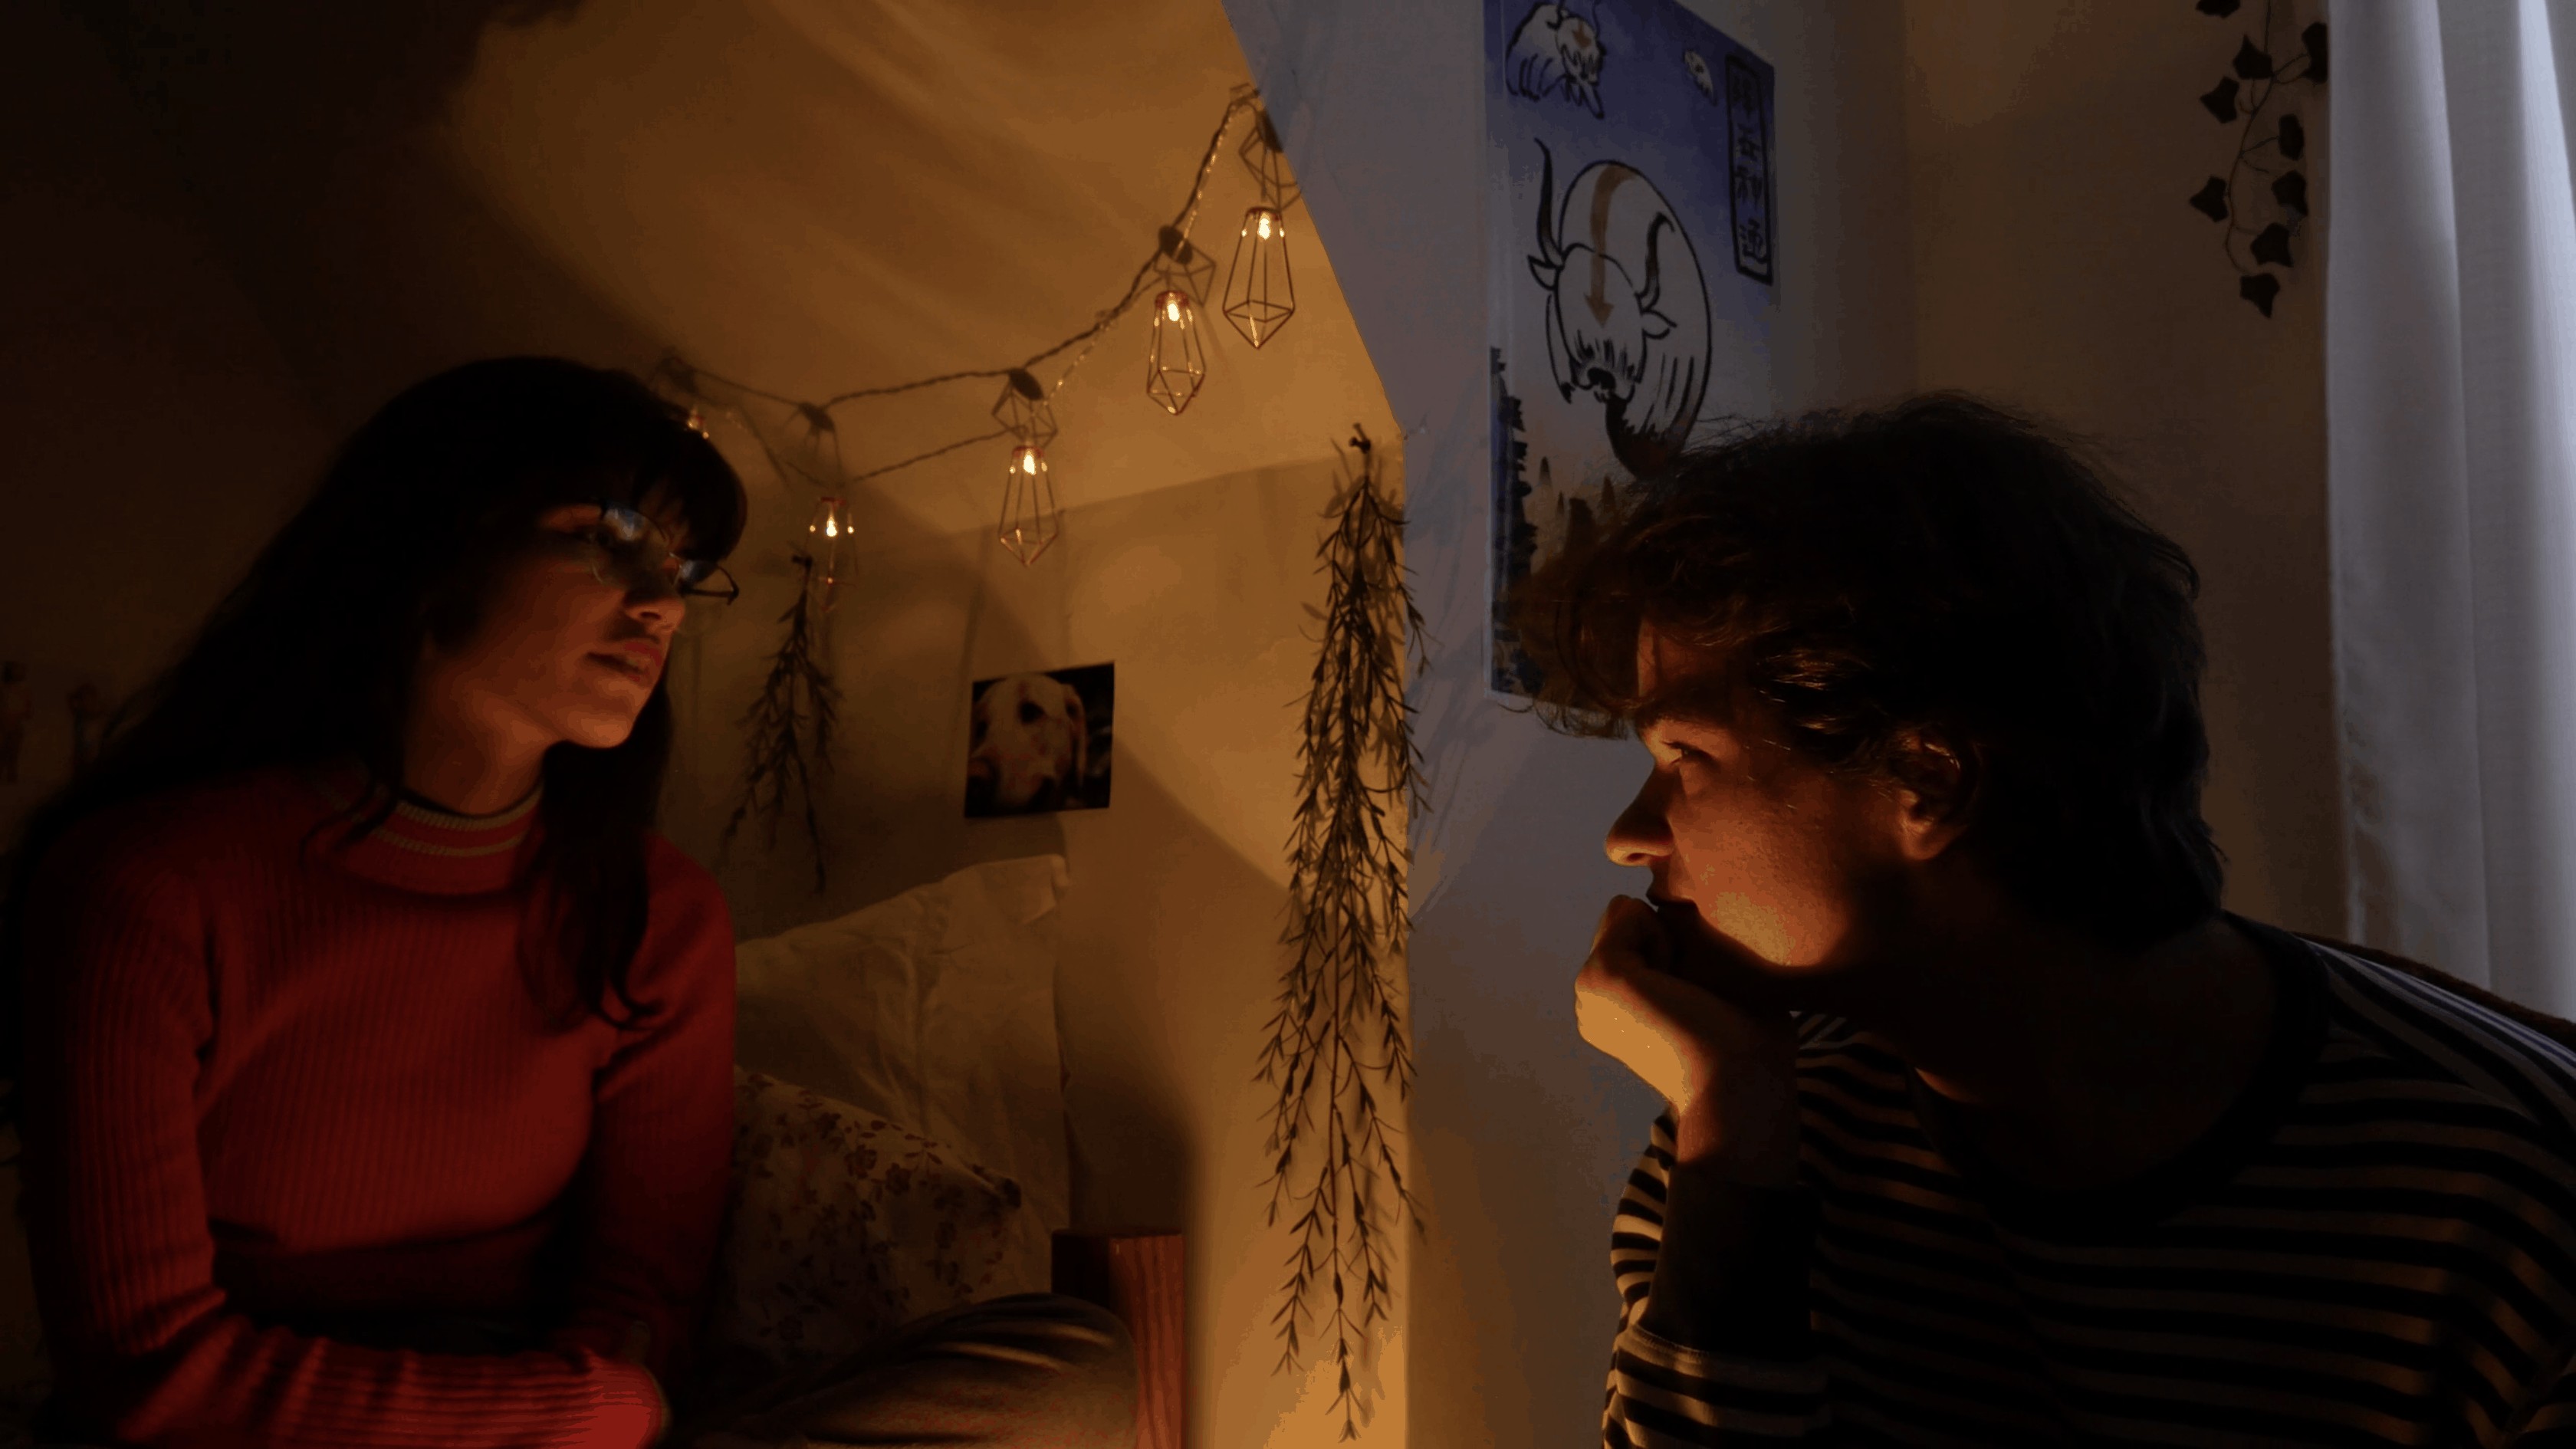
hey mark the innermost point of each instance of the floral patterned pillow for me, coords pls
(846, 1226)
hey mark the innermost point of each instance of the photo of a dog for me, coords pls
(1040, 742)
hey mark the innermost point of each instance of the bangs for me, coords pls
(659, 457)
(708, 493)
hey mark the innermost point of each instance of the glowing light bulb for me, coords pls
(1030, 518)
(829, 527)
(1175, 358)
(1260, 295)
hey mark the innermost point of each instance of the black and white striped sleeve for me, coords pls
(1662, 1394)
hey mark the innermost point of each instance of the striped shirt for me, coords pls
(2375, 1245)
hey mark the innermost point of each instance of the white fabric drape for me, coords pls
(2451, 419)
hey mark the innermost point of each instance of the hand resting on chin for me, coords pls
(1650, 995)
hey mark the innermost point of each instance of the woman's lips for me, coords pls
(635, 664)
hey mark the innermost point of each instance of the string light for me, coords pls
(1259, 299)
(1260, 295)
(1030, 518)
(1175, 357)
(827, 537)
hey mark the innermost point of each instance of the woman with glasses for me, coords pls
(373, 1055)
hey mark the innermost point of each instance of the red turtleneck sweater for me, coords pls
(275, 1088)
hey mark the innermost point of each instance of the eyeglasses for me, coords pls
(629, 551)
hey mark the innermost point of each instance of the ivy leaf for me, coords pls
(2260, 289)
(2220, 9)
(2272, 248)
(2291, 190)
(2221, 99)
(2251, 63)
(2294, 138)
(2314, 38)
(2211, 200)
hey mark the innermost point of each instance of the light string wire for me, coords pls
(679, 375)
(790, 726)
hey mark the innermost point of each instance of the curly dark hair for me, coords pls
(1940, 568)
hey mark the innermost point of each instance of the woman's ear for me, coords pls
(1938, 782)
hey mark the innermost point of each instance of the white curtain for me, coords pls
(2451, 415)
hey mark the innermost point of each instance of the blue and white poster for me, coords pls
(1635, 263)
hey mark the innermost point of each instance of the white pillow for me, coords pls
(935, 1009)
(844, 1228)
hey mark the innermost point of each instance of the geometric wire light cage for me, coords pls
(1175, 359)
(1030, 518)
(1176, 352)
(827, 542)
(1260, 295)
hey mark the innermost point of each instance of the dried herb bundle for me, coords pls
(790, 726)
(1337, 1047)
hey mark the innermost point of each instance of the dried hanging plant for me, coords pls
(790, 726)
(1337, 1048)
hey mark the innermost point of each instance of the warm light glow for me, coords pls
(829, 526)
(1260, 297)
(1175, 359)
(1030, 519)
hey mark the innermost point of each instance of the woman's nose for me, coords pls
(657, 605)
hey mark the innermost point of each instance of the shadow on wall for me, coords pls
(303, 131)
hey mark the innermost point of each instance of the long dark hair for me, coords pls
(1940, 566)
(309, 660)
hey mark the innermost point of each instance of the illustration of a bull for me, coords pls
(1627, 307)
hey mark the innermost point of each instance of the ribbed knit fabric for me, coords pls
(276, 1086)
(2376, 1245)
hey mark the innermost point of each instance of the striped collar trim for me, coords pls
(424, 829)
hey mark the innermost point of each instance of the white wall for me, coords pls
(2051, 147)
(1521, 1132)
